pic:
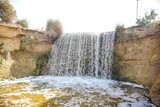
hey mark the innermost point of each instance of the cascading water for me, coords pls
(83, 54)
(77, 55)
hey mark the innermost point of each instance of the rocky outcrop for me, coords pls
(29, 51)
(137, 58)
(9, 30)
(5, 66)
(137, 55)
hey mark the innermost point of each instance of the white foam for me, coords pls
(86, 86)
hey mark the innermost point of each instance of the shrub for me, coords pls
(118, 31)
(156, 23)
(54, 29)
(7, 14)
(147, 20)
(23, 23)
(54, 25)
(119, 28)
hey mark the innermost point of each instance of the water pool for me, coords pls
(54, 91)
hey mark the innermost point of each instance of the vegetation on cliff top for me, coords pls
(23, 23)
(7, 13)
(54, 25)
(146, 24)
(147, 20)
(54, 29)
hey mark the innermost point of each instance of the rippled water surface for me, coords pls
(50, 91)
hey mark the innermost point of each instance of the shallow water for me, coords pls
(53, 91)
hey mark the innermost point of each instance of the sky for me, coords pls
(83, 15)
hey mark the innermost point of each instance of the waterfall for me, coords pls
(83, 54)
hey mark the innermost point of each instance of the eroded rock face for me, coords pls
(4, 67)
(9, 30)
(29, 50)
(10, 44)
(24, 64)
(138, 60)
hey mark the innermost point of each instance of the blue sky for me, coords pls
(83, 15)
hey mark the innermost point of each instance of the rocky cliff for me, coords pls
(24, 52)
(137, 58)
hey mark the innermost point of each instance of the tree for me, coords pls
(23, 23)
(7, 14)
(147, 19)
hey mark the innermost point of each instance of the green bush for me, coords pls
(147, 20)
(119, 28)
(118, 31)
(23, 23)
